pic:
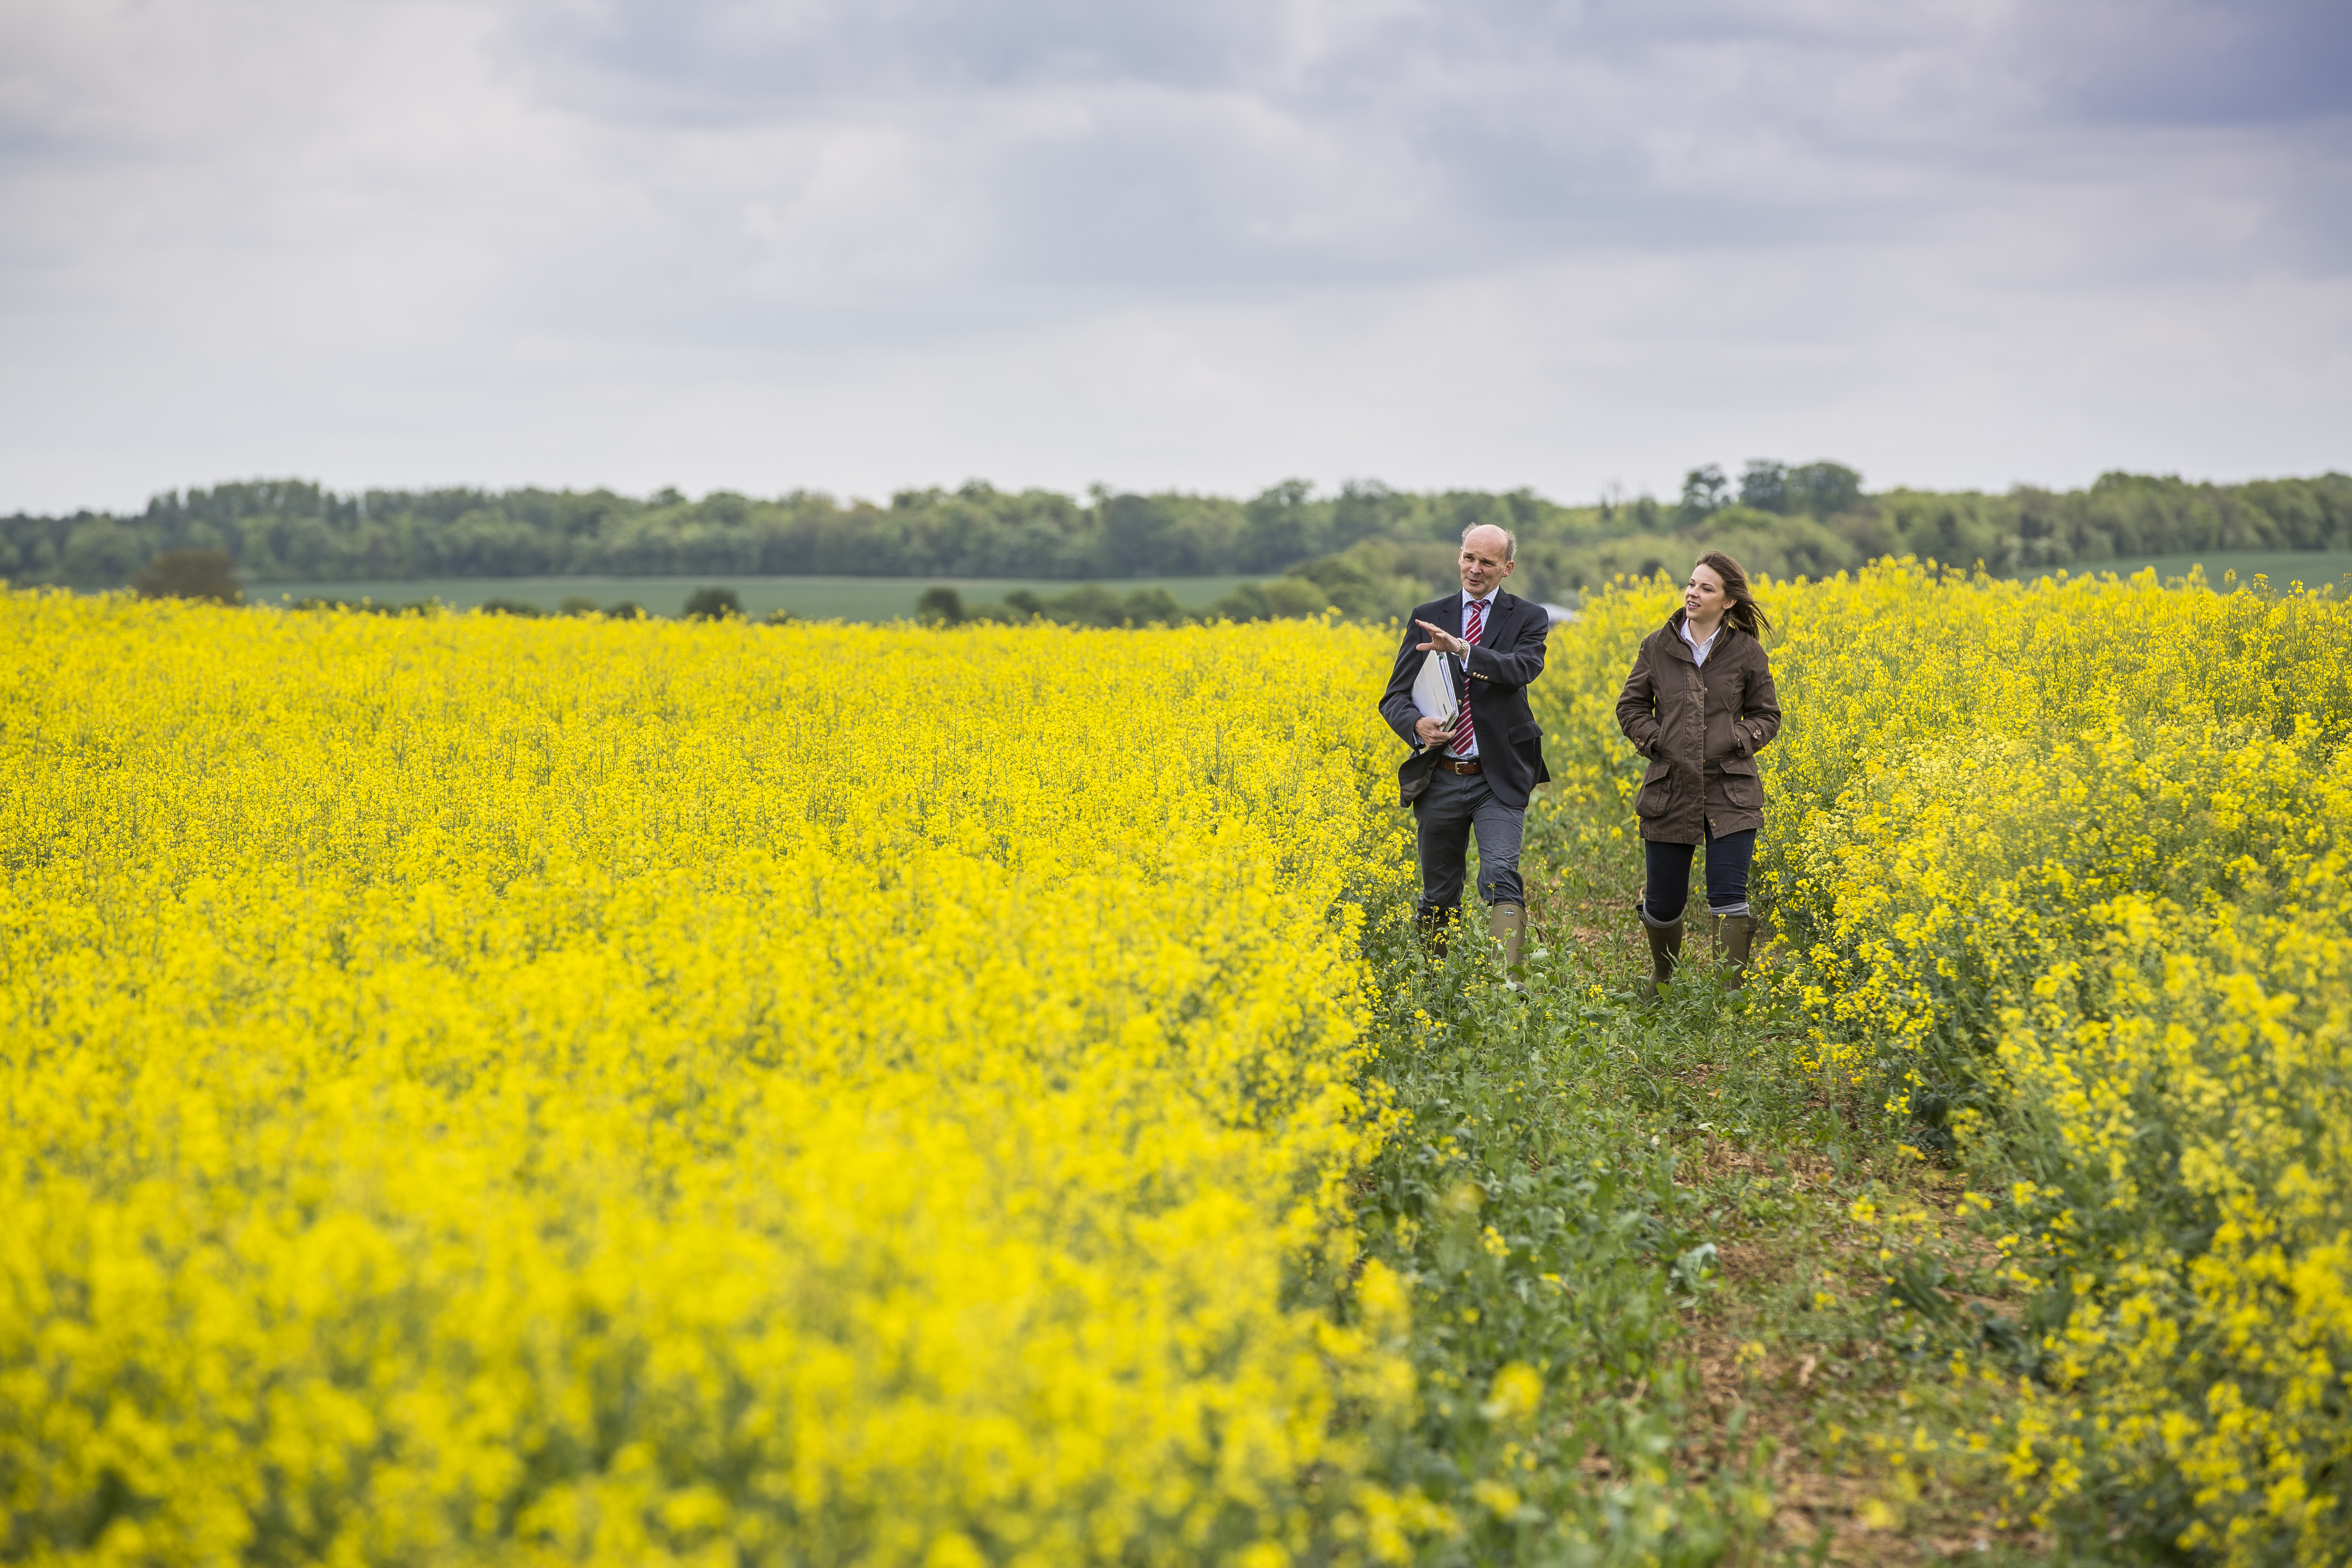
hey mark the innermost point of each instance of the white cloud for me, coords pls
(868, 246)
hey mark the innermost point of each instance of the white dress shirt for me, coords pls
(1699, 650)
(1486, 599)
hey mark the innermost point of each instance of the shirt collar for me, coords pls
(1486, 598)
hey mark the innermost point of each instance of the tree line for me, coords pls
(297, 530)
(1368, 549)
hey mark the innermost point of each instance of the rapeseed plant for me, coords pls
(632, 1091)
(2061, 872)
(646, 1092)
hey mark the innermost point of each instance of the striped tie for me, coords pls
(1461, 726)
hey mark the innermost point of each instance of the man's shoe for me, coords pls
(1436, 927)
(1666, 947)
(1508, 923)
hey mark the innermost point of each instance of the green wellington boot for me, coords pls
(1666, 948)
(1734, 936)
(1508, 925)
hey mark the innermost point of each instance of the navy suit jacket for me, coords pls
(1507, 656)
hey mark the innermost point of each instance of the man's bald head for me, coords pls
(1499, 540)
(1489, 553)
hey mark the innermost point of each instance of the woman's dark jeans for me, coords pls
(1727, 876)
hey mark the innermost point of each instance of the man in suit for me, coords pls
(1475, 775)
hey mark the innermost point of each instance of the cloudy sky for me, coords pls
(861, 245)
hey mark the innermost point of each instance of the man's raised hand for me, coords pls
(1442, 638)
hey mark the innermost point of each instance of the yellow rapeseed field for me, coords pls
(637, 1092)
(2064, 872)
(643, 1092)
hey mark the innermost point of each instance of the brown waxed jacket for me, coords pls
(1701, 728)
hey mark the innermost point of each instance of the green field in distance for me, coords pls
(893, 598)
(2312, 569)
(811, 598)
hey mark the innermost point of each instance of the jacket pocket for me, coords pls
(1657, 791)
(1740, 785)
(1531, 731)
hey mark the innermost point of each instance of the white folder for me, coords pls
(1432, 688)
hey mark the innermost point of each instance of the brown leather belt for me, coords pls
(1465, 767)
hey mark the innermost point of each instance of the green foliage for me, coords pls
(2080, 913)
(1809, 489)
(295, 530)
(1153, 608)
(939, 606)
(2058, 871)
(1530, 1197)
(1370, 552)
(1703, 490)
(191, 574)
(1275, 599)
(370, 607)
(1088, 604)
(714, 605)
(1381, 579)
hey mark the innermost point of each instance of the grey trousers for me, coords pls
(1447, 813)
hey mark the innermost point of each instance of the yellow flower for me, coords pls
(1495, 1498)
(634, 1091)
(1515, 1396)
(2078, 851)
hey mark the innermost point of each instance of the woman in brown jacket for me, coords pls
(1699, 705)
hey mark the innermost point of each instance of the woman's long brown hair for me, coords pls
(1745, 612)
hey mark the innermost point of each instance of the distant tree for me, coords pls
(1765, 486)
(573, 605)
(1808, 489)
(1703, 490)
(1276, 599)
(1282, 525)
(190, 574)
(510, 607)
(1375, 579)
(1088, 604)
(1171, 536)
(939, 606)
(713, 605)
(625, 610)
(1364, 546)
(1825, 489)
(1154, 607)
(1367, 508)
